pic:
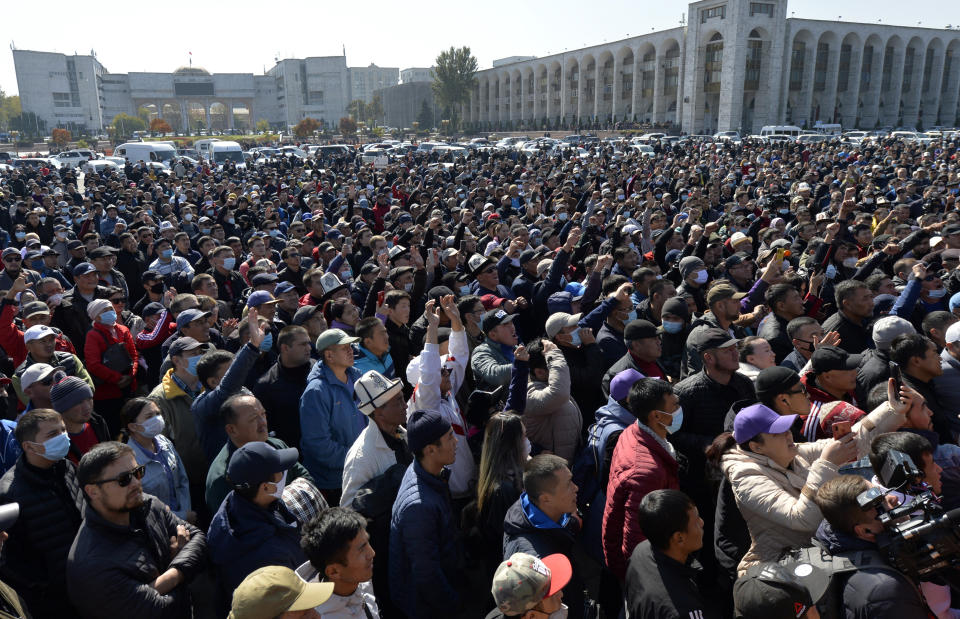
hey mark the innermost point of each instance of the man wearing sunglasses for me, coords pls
(13, 268)
(131, 541)
(35, 383)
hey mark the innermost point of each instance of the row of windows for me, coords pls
(761, 8)
(717, 11)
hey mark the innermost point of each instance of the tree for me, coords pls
(159, 125)
(375, 110)
(125, 124)
(9, 109)
(263, 125)
(306, 127)
(454, 77)
(348, 126)
(60, 137)
(357, 109)
(144, 114)
(425, 117)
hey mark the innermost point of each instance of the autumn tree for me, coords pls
(454, 77)
(159, 125)
(60, 137)
(348, 126)
(306, 127)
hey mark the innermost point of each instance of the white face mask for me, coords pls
(278, 493)
(152, 427)
(561, 613)
(850, 262)
(701, 277)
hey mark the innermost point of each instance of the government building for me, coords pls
(735, 65)
(77, 92)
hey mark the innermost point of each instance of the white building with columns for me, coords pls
(735, 65)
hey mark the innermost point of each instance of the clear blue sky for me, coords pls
(245, 36)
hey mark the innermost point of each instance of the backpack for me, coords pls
(840, 567)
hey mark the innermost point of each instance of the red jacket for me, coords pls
(99, 338)
(11, 337)
(639, 466)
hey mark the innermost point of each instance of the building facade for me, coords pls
(736, 65)
(79, 93)
(404, 104)
(416, 74)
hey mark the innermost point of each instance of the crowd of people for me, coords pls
(566, 384)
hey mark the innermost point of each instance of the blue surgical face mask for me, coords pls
(267, 342)
(205, 230)
(56, 448)
(20, 235)
(676, 421)
(192, 364)
(166, 253)
(575, 338)
(109, 317)
(672, 327)
(464, 290)
(938, 293)
(229, 263)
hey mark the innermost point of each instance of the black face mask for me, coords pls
(157, 289)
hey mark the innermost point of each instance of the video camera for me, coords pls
(920, 538)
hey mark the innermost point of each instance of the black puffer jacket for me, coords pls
(875, 589)
(110, 567)
(35, 556)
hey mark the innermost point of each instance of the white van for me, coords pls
(792, 130)
(203, 146)
(145, 151)
(223, 151)
(828, 128)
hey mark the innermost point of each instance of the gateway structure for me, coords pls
(736, 65)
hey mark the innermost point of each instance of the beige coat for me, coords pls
(778, 503)
(552, 418)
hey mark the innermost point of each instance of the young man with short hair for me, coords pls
(338, 551)
(661, 575)
(544, 520)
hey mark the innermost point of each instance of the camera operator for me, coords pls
(876, 588)
(920, 451)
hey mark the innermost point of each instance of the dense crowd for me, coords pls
(579, 383)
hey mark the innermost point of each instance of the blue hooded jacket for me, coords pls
(330, 422)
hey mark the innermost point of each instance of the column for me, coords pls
(492, 98)
(597, 89)
(229, 115)
(617, 86)
(536, 95)
(951, 93)
(802, 115)
(892, 99)
(563, 90)
(184, 117)
(732, 75)
(829, 103)
(912, 98)
(851, 98)
(658, 99)
(870, 112)
(523, 96)
(635, 93)
(931, 102)
(581, 89)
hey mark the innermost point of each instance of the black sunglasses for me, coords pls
(123, 479)
(490, 270)
(13, 259)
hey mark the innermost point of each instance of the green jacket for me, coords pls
(217, 487)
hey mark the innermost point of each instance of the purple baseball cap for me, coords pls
(758, 418)
(621, 383)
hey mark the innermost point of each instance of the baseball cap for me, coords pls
(152, 308)
(333, 337)
(886, 329)
(305, 313)
(187, 316)
(262, 279)
(523, 580)
(775, 380)
(273, 590)
(373, 390)
(558, 321)
(495, 318)
(953, 333)
(84, 268)
(283, 287)
(622, 382)
(758, 418)
(720, 292)
(256, 462)
(773, 590)
(37, 371)
(37, 332)
(182, 345)
(827, 358)
(10, 251)
(639, 329)
(33, 308)
(260, 297)
(706, 339)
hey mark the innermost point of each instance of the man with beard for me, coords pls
(133, 551)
